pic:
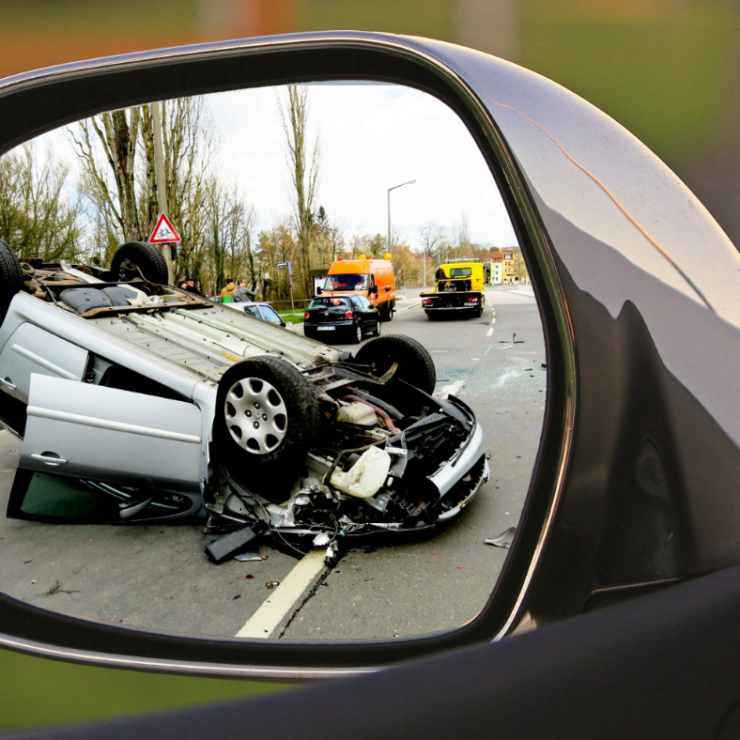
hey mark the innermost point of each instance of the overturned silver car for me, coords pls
(140, 402)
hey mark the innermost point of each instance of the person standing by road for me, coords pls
(228, 290)
(241, 293)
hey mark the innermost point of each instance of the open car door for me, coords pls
(97, 453)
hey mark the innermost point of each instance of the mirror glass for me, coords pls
(156, 475)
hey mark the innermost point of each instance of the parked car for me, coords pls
(616, 614)
(349, 317)
(260, 310)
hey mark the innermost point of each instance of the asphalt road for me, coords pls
(158, 576)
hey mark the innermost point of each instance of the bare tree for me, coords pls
(463, 246)
(329, 238)
(304, 172)
(113, 138)
(116, 151)
(38, 213)
(432, 239)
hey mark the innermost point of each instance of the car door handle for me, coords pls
(49, 458)
(8, 383)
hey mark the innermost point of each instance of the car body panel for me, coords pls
(112, 435)
(29, 350)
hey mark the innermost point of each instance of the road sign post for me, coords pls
(290, 280)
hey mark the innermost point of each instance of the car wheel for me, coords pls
(266, 421)
(386, 311)
(11, 277)
(415, 364)
(146, 257)
(357, 333)
(377, 328)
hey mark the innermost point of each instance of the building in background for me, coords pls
(513, 269)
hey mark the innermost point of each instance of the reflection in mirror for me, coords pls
(173, 458)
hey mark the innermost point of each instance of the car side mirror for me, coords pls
(623, 421)
(420, 424)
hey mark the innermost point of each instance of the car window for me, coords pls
(346, 282)
(269, 314)
(357, 301)
(252, 311)
(329, 302)
(457, 272)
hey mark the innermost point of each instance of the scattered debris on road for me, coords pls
(502, 540)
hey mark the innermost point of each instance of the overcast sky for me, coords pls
(372, 137)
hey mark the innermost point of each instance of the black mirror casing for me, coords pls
(638, 460)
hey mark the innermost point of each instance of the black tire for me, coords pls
(145, 256)
(266, 459)
(415, 364)
(377, 328)
(356, 333)
(11, 277)
(386, 311)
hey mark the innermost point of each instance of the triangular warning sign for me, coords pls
(164, 232)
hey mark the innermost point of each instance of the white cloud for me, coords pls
(372, 137)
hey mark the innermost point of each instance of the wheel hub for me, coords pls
(263, 432)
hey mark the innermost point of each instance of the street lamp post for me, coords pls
(409, 182)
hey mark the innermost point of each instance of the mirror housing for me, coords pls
(608, 237)
(50, 98)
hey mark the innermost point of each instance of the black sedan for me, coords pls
(350, 316)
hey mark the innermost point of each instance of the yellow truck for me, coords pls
(460, 288)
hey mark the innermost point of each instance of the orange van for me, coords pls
(373, 278)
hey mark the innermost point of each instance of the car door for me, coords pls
(360, 311)
(106, 434)
(370, 314)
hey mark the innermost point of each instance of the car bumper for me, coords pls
(461, 307)
(328, 329)
(457, 468)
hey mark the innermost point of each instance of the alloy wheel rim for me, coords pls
(256, 416)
